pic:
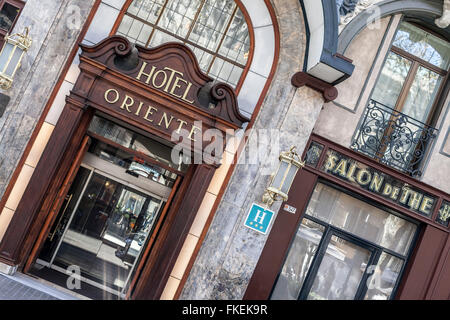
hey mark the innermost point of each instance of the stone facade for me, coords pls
(54, 28)
(230, 251)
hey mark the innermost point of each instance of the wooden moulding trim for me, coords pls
(276, 246)
(47, 107)
(101, 56)
(58, 203)
(236, 156)
(251, 32)
(301, 79)
(164, 256)
(150, 242)
(36, 196)
(63, 167)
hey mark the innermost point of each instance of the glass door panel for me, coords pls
(107, 231)
(384, 277)
(340, 272)
(68, 206)
(298, 262)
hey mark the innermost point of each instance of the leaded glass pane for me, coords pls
(215, 30)
(178, 16)
(211, 23)
(161, 37)
(236, 44)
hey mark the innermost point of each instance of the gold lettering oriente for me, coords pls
(150, 113)
(169, 80)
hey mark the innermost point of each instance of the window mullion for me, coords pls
(399, 105)
(407, 86)
(156, 23)
(195, 19)
(223, 38)
(422, 62)
(315, 263)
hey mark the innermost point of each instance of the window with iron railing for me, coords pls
(397, 125)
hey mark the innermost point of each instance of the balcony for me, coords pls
(393, 138)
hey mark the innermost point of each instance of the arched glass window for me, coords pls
(215, 30)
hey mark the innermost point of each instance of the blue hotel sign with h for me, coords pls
(259, 218)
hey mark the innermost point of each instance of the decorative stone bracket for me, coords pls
(301, 79)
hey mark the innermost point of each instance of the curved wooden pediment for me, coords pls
(169, 70)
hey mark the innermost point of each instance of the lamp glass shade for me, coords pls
(5, 55)
(278, 179)
(292, 171)
(15, 60)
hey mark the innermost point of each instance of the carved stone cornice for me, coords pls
(301, 79)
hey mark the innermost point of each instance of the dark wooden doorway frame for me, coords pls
(101, 66)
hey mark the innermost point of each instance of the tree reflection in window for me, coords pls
(215, 30)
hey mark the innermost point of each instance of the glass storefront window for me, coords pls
(298, 261)
(361, 219)
(340, 272)
(344, 249)
(383, 278)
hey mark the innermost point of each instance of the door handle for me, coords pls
(52, 235)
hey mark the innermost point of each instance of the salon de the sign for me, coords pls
(379, 183)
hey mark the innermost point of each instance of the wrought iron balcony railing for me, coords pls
(393, 138)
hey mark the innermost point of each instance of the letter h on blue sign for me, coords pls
(259, 219)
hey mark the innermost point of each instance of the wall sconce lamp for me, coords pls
(281, 182)
(11, 56)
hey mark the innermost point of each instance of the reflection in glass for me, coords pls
(421, 95)
(391, 80)
(108, 230)
(7, 16)
(178, 16)
(423, 44)
(340, 271)
(299, 260)
(215, 30)
(383, 278)
(131, 140)
(361, 219)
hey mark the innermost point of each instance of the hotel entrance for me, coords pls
(111, 211)
(125, 170)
